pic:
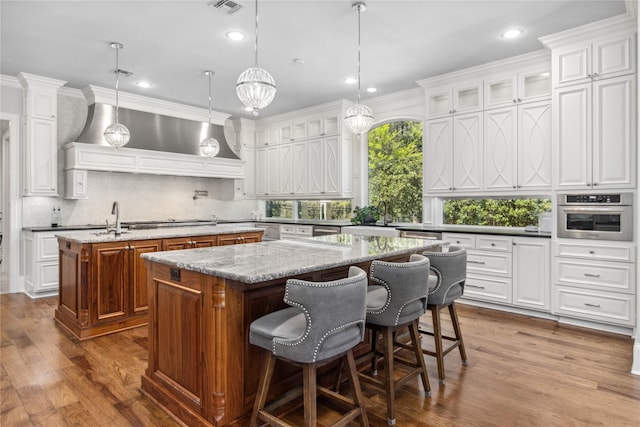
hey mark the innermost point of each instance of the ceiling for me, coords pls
(171, 43)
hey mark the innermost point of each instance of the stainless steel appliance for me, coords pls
(271, 231)
(596, 216)
(427, 235)
(325, 230)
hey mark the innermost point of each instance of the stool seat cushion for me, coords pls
(376, 297)
(286, 324)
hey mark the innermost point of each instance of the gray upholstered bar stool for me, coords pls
(448, 275)
(397, 301)
(325, 321)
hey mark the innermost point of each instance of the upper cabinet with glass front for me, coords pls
(513, 89)
(458, 99)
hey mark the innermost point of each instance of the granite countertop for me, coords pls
(337, 223)
(154, 233)
(504, 231)
(259, 262)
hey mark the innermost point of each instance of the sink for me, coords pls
(105, 232)
(371, 230)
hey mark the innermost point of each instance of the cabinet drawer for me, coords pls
(493, 289)
(610, 252)
(467, 241)
(304, 230)
(287, 229)
(602, 275)
(492, 263)
(493, 243)
(607, 307)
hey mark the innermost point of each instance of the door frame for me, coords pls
(12, 221)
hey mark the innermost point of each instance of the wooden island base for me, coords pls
(202, 368)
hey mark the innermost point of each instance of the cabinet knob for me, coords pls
(514, 186)
(514, 100)
(592, 252)
(493, 244)
(519, 99)
(595, 74)
(132, 248)
(126, 248)
(513, 243)
(595, 184)
(589, 75)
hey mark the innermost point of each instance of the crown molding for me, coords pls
(10, 81)
(603, 28)
(30, 81)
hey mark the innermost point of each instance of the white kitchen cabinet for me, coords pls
(594, 134)
(510, 271)
(589, 60)
(595, 281)
(517, 153)
(300, 168)
(285, 167)
(292, 231)
(464, 97)
(75, 184)
(514, 89)
(324, 163)
(262, 171)
(40, 150)
(323, 125)
(40, 263)
(454, 149)
(532, 273)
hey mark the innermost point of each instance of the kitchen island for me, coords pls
(201, 367)
(102, 284)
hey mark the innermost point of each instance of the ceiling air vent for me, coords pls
(230, 5)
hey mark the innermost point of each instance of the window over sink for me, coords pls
(309, 209)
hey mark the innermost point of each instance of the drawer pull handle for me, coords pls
(592, 252)
(591, 275)
(471, 261)
(474, 286)
(493, 244)
(592, 305)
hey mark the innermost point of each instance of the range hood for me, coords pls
(151, 131)
(165, 139)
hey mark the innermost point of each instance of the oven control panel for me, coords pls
(620, 199)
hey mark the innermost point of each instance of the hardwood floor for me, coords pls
(522, 372)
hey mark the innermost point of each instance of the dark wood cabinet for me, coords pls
(103, 287)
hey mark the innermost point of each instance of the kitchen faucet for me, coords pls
(115, 210)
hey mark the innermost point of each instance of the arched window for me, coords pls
(395, 169)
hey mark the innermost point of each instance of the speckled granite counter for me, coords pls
(155, 233)
(201, 367)
(470, 229)
(260, 262)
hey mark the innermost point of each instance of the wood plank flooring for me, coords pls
(522, 372)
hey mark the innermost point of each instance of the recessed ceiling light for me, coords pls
(349, 80)
(234, 35)
(248, 108)
(298, 61)
(512, 33)
(143, 83)
(372, 89)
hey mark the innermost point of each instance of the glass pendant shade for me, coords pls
(117, 135)
(359, 118)
(256, 88)
(209, 147)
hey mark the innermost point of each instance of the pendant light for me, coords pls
(255, 86)
(117, 134)
(359, 117)
(209, 146)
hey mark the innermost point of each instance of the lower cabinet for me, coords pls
(103, 286)
(40, 254)
(512, 271)
(595, 281)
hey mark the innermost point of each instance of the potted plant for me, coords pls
(365, 215)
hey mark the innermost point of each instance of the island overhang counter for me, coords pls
(202, 368)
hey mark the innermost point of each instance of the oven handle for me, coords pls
(592, 209)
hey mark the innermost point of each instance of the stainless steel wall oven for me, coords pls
(596, 216)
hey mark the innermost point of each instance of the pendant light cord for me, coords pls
(359, 8)
(209, 73)
(256, 54)
(117, 79)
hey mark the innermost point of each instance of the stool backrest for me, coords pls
(450, 272)
(335, 316)
(407, 285)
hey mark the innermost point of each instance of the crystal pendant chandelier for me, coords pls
(255, 86)
(117, 134)
(209, 146)
(359, 117)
